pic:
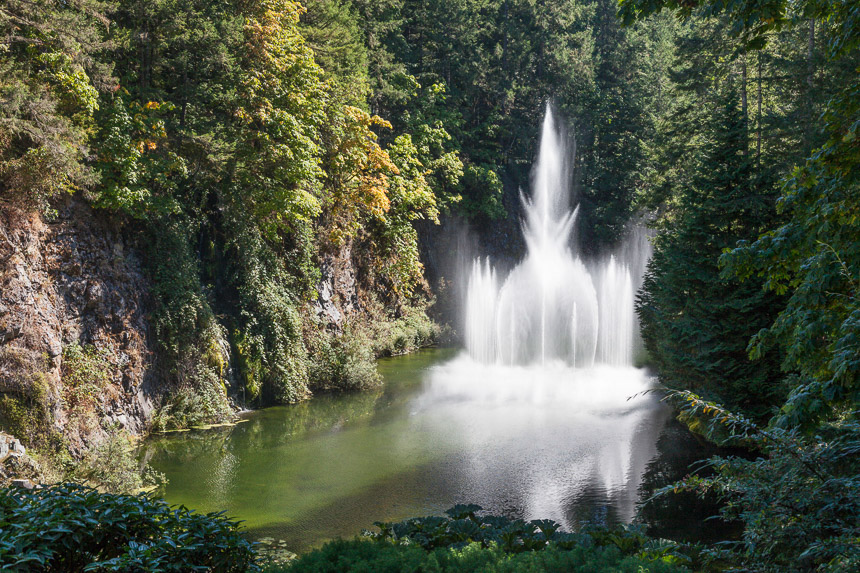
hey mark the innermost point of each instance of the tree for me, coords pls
(49, 81)
(281, 110)
(696, 323)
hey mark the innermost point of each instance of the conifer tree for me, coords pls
(696, 323)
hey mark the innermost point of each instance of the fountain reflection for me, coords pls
(543, 441)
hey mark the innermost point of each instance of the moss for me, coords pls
(18, 419)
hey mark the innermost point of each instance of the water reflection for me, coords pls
(548, 442)
(682, 516)
(543, 442)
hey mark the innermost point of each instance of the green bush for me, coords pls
(799, 499)
(467, 541)
(342, 362)
(346, 361)
(395, 335)
(113, 466)
(86, 372)
(383, 557)
(68, 527)
(203, 402)
(25, 399)
(267, 339)
(86, 364)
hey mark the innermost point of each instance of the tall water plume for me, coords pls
(552, 306)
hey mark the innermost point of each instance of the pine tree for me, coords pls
(696, 323)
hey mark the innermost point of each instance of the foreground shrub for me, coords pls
(467, 541)
(68, 527)
(799, 499)
(385, 557)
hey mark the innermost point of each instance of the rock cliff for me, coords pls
(71, 282)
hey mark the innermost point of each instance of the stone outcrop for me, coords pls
(10, 447)
(338, 292)
(16, 467)
(73, 280)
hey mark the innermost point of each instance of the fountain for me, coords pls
(552, 306)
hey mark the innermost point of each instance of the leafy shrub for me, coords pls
(204, 402)
(463, 526)
(382, 557)
(113, 466)
(395, 335)
(68, 527)
(86, 371)
(346, 361)
(193, 345)
(342, 362)
(270, 352)
(466, 541)
(799, 500)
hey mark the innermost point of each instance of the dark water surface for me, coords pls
(545, 442)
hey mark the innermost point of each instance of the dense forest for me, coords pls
(254, 151)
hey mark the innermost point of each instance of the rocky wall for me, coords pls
(72, 280)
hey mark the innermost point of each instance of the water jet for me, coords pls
(552, 305)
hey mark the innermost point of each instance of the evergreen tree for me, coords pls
(50, 74)
(696, 323)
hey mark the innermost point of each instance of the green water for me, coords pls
(440, 431)
(289, 468)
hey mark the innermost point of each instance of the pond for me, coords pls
(573, 445)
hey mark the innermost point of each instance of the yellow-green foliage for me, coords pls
(85, 373)
(24, 395)
(112, 466)
(281, 95)
(343, 361)
(411, 330)
(49, 98)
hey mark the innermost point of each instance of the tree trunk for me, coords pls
(810, 75)
(505, 42)
(744, 88)
(183, 114)
(758, 116)
(744, 111)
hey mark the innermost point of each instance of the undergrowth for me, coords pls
(464, 540)
(69, 527)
